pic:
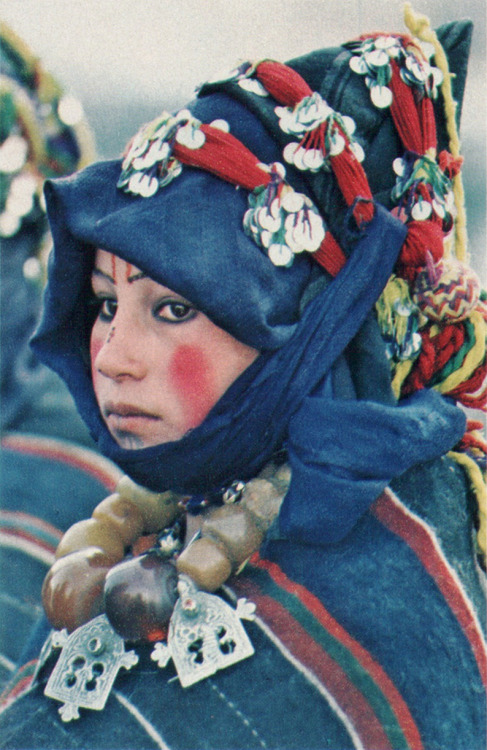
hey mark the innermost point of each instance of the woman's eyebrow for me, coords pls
(98, 272)
(137, 276)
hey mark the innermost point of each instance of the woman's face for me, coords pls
(158, 364)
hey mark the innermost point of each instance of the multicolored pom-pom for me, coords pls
(447, 290)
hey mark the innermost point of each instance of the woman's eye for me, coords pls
(174, 312)
(108, 309)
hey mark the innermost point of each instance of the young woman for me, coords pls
(211, 307)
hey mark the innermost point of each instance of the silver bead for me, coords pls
(233, 493)
(169, 540)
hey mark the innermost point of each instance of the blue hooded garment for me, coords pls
(295, 396)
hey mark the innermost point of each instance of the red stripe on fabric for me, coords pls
(10, 694)
(38, 523)
(316, 607)
(18, 533)
(320, 663)
(46, 449)
(390, 512)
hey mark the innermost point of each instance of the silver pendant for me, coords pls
(205, 634)
(87, 667)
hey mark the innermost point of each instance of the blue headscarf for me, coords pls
(189, 237)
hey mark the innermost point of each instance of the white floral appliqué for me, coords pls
(323, 133)
(149, 163)
(282, 221)
(372, 59)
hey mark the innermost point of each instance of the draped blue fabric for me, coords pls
(282, 388)
(348, 469)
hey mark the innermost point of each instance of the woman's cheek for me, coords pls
(192, 379)
(96, 343)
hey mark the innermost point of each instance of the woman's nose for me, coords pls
(122, 353)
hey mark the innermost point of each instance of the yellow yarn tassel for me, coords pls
(420, 27)
(401, 372)
(479, 489)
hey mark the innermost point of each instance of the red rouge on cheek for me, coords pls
(96, 344)
(192, 379)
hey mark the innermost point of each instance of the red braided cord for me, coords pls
(474, 424)
(424, 367)
(471, 441)
(354, 184)
(427, 118)
(474, 402)
(330, 255)
(289, 88)
(422, 236)
(435, 353)
(282, 82)
(462, 393)
(447, 343)
(449, 164)
(226, 157)
(404, 113)
(468, 389)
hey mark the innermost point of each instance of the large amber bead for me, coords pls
(91, 532)
(158, 509)
(123, 514)
(263, 500)
(140, 595)
(233, 526)
(206, 563)
(72, 593)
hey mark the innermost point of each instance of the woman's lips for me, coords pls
(123, 416)
(126, 410)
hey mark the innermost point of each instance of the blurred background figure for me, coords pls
(43, 133)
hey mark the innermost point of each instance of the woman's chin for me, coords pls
(136, 441)
(129, 441)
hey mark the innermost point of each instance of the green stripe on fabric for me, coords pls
(357, 674)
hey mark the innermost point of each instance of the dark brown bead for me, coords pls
(72, 593)
(139, 597)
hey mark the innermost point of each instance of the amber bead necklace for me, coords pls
(98, 568)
